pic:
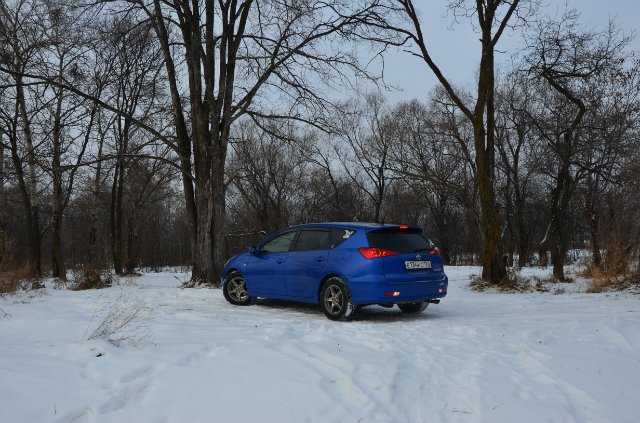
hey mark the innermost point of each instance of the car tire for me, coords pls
(234, 289)
(413, 308)
(335, 300)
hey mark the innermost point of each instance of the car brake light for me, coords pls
(435, 251)
(404, 227)
(373, 252)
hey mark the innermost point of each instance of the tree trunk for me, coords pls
(116, 217)
(29, 186)
(130, 262)
(523, 243)
(93, 231)
(57, 255)
(493, 266)
(559, 204)
(591, 211)
(218, 223)
(203, 271)
(3, 204)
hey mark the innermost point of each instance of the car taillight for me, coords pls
(373, 252)
(435, 251)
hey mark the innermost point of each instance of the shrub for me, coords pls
(8, 283)
(90, 276)
(125, 321)
(513, 282)
(617, 272)
(12, 280)
(603, 281)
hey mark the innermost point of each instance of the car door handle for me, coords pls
(279, 261)
(320, 259)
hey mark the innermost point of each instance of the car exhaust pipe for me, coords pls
(433, 301)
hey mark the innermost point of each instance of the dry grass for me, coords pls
(20, 279)
(91, 277)
(513, 282)
(618, 271)
(8, 283)
(603, 280)
(125, 321)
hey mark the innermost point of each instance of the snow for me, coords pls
(475, 357)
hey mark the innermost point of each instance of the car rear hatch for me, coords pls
(407, 255)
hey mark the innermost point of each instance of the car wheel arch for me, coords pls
(325, 279)
(230, 271)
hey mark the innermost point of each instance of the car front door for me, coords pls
(264, 272)
(306, 262)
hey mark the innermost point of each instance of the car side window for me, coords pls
(338, 236)
(313, 239)
(279, 244)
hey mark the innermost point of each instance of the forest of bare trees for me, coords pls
(149, 133)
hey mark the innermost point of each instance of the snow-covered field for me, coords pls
(475, 357)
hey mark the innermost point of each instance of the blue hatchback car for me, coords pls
(341, 267)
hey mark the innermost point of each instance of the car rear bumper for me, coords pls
(364, 293)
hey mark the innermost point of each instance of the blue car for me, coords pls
(342, 267)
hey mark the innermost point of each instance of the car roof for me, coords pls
(368, 226)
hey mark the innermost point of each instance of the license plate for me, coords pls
(414, 265)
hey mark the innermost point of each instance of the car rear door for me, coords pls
(306, 261)
(410, 256)
(264, 272)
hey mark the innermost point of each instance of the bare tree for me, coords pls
(492, 18)
(433, 153)
(520, 158)
(71, 118)
(236, 53)
(567, 57)
(335, 196)
(136, 63)
(365, 132)
(614, 98)
(267, 172)
(21, 35)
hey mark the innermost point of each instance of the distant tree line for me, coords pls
(152, 133)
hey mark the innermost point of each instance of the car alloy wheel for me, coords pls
(335, 300)
(235, 289)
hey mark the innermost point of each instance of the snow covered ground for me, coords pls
(476, 357)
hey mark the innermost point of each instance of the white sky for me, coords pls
(455, 47)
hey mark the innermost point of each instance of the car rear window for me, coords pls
(338, 236)
(400, 240)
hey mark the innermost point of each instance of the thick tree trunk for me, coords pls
(203, 271)
(29, 186)
(218, 219)
(493, 266)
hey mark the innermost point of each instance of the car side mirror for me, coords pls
(254, 250)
